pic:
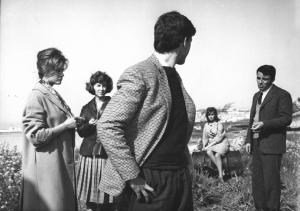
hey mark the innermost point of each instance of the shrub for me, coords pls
(10, 177)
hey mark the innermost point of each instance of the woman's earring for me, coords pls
(45, 80)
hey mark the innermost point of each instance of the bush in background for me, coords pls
(10, 177)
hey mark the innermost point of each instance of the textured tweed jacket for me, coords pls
(276, 114)
(135, 120)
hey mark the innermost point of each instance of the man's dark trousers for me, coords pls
(265, 179)
(173, 192)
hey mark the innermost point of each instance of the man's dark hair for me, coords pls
(267, 70)
(170, 30)
(101, 78)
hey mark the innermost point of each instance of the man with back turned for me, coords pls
(147, 124)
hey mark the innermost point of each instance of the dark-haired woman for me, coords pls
(48, 180)
(214, 139)
(92, 155)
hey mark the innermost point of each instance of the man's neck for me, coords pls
(166, 59)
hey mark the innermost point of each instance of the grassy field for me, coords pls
(209, 194)
(235, 193)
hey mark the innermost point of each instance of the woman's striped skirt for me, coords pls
(88, 178)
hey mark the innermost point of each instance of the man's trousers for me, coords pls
(265, 179)
(173, 192)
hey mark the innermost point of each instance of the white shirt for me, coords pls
(264, 94)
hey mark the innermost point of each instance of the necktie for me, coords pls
(259, 98)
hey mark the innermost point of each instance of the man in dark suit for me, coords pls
(271, 113)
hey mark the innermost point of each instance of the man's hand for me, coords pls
(70, 123)
(257, 126)
(139, 186)
(248, 147)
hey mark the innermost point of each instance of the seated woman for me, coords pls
(214, 139)
(92, 155)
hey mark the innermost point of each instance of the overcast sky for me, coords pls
(233, 38)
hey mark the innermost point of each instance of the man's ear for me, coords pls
(186, 40)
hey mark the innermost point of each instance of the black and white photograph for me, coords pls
(138, 105)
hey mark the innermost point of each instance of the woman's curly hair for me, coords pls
(102, 78)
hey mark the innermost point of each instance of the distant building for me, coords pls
(230, 115)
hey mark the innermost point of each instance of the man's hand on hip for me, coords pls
(141, 188)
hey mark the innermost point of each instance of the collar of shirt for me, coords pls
(264, 94)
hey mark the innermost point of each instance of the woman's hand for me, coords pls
(198, 148)
(70, 123)
(211, 134)
(92, 121)
(79, 121)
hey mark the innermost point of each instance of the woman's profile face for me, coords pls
(211, 116)
(100, 89)
(55, 77)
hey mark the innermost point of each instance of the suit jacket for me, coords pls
(135, 120)
(87, 131)
(276, 114)
(48, 167)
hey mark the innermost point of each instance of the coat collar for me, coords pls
(50, 96)
(269, 96)
(92, 104)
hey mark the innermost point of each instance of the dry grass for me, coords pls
(235, 193)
